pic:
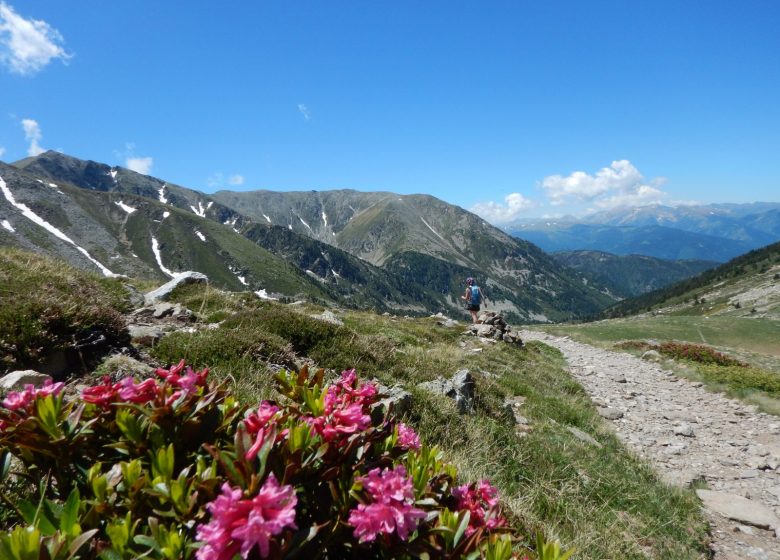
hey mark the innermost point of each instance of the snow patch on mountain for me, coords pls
(166, 214)
(32, 216)
(237, 273)
(158, 258)
(200, 236)
(267, 218)
(304, 223)
(324, 218)
(161, 194)
(430, 228)
(125, 207)
(113, 173)
(7, 225)
(201, 210)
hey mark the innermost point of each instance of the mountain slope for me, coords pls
(421, 238)
(371, 230)
(630, 275)
(748, 285)
(135, 236)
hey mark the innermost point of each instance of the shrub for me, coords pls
(171, 467)
(697, 353)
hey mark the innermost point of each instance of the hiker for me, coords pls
(473, 296)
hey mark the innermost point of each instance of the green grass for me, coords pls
(605, 502)
(46, 306)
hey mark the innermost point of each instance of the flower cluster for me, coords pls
(22, 401)
(239, 525)
(183, 470)
(346, 407)
(390, 507)
(128, 390)
(481, 501)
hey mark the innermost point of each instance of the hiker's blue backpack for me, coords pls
(476, 296)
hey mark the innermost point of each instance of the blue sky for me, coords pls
(512, 109)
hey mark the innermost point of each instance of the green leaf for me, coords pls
(462, 526)
(70, 513)
(80, 541)
(5, 464)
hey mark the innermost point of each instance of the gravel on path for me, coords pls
(691, 436)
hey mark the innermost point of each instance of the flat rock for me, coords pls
(739, 509)
(685, 430)
(146, 332)
(329, 317)
(16, 380)
(583, 436)
(163, 292)
(610, 413)
(486, 330)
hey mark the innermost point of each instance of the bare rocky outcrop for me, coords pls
(460, 388)
(691, 436)
(16, 380)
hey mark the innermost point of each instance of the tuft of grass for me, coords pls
(48, 307)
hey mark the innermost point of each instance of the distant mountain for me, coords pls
(716, 232)
(631, 275)
(747, 286)
(378, 250)
(427, 241)
(653, 241)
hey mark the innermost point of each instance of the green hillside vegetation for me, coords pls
(48, 309)
(718, 290)
(604, 501)
(630, 275)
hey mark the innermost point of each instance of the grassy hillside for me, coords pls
(748, 285)
(603, 501)
(630, 275)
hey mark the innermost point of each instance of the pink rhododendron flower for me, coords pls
(21, 400)
(238, 525)
(346, 408)
(138, 393)
(259, 424)
(481, 500)
(189, 382)
(407, 437)
(391, 508)
(101, 395)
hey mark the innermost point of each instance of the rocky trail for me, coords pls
(691, 436)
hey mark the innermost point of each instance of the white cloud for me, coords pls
(304, 110)
(2, 151)
(620, 184)
(514, 205)
(142, 165)
(27, 45)
(32, 133)
(236, 180)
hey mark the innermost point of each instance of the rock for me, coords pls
(329, 317)
(619, 378)
(16, 380)
(684, 479)
(162, 309)
(485, 330)
(685, 430)
(652, 356)
(394, 398)
(449, 323)
(583, 436)
(134, 297)
(749, 473)
(146, 334)
(739, 509)
(512, 410)
(610, 413)
(460, 387)
(163, 292)
(498, 335)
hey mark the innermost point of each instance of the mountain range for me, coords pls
(713, 232)
(371, 250)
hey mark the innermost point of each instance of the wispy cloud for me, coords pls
(515, 204)
(218, 181)
(27, 45)
(2, 151)
(32, 133)
(142, 165)
(304, 110)
(620, 184)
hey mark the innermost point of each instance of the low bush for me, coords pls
(697, 353)
(170, 467)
